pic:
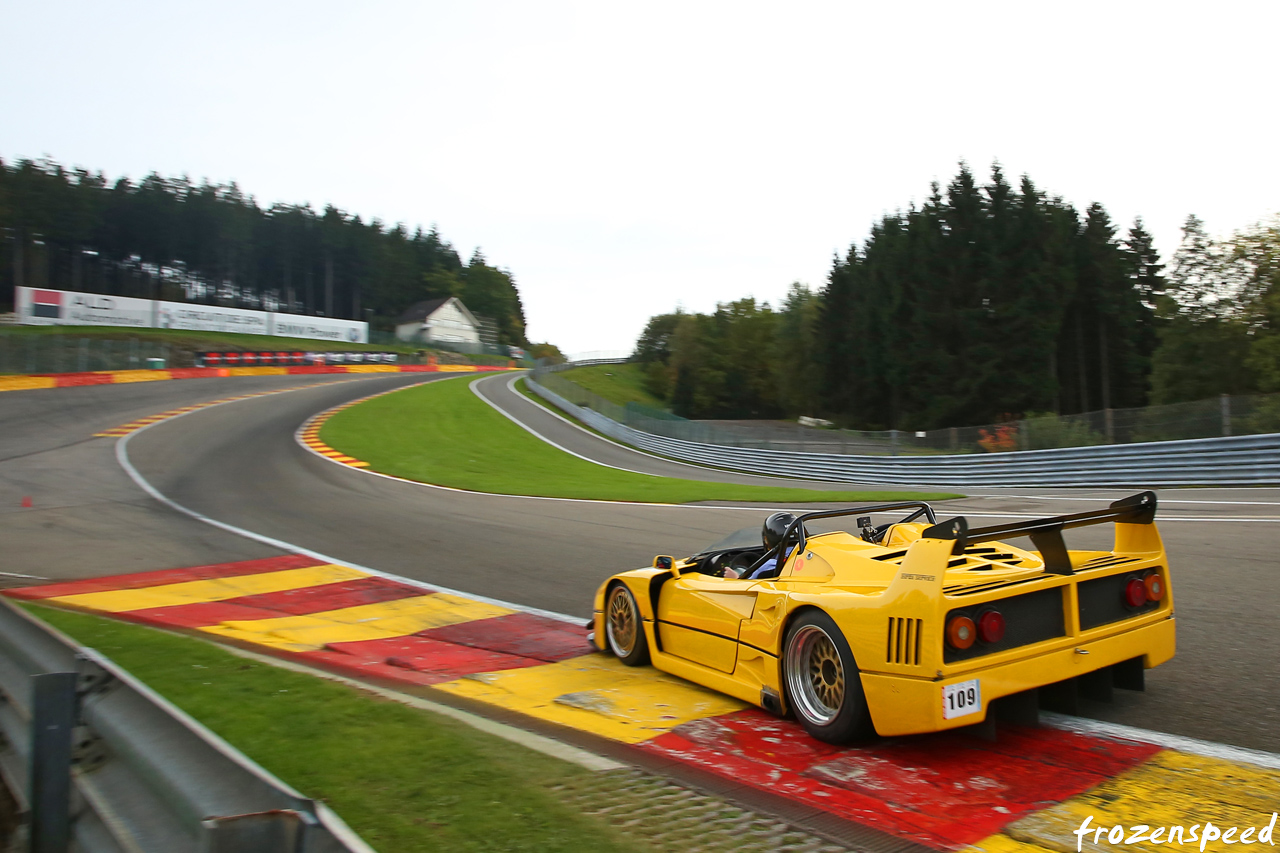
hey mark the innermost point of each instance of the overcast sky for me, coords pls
(622, 159)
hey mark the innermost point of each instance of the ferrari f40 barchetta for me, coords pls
(900, 628)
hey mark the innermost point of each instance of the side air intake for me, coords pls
(903, 645)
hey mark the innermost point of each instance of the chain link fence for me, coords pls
(1222, 416)
(68, 354)
(53, 353)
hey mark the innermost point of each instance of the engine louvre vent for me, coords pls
(1109, 560)
(903, 643)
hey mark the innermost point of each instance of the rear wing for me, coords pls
(1046, 533)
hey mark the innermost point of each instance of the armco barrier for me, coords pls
(116, 768)
(1243, 460)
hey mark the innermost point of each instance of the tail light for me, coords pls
(1135, 592)
(961, 632)
(991, 627)
(1154, 586)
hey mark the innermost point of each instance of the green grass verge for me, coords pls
(442, 433)
(617, 383)
(404, 779)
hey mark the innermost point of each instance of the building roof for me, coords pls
(419, 311)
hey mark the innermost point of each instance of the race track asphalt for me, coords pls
(239, 463)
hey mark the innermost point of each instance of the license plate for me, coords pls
(959, 700)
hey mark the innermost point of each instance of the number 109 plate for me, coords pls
(961, 699)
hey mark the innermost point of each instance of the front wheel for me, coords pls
(623, 627)
(824, 689)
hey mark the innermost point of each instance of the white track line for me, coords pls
(298, 438)
(647, 455)
(1163, 500)
(1194, 746)
(538, 435)
(853, 486)
(546, 408)
(1165, 519)
(1098, 727)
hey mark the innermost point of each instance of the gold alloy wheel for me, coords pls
(623, 623)
(815, 675)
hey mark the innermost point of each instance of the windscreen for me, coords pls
(747, 537)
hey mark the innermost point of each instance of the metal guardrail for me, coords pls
(100, 763)
(1242, 460)
(1222, 416)
(545, 366)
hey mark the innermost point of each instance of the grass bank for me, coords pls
(617, 383)
(404, 779)
(442, 433)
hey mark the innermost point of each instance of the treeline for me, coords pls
(983, 304)
(170, 238)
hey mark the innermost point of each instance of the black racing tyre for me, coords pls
(624, 628)
(824, 689)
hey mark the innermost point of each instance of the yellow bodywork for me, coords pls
(891, 601)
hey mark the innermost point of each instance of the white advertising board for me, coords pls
(211, 318)
(319, 328)
(39, 307)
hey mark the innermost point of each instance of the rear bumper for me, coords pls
(901, 706)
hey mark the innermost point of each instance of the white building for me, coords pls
(444, 321)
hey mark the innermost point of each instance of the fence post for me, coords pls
(1109, 422)
(893, 442)
(53, 717)
(1225, 401)
(955, 437)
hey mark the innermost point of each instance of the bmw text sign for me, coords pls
(319, 328)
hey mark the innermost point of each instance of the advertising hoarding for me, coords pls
(42, 307)
(319, 328)
(212, 318)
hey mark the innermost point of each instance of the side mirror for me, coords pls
(667, 564)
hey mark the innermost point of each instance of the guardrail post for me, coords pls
(1226, 413)
(53, 717)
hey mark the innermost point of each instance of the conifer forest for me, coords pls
(989, 302)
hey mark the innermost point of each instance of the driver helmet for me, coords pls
(775, 526)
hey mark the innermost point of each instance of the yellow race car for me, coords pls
(900, 628)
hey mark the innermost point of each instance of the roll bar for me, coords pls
(1045, 533)
(797, 527)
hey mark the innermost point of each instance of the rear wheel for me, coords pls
(823, 687)
(623, 627)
